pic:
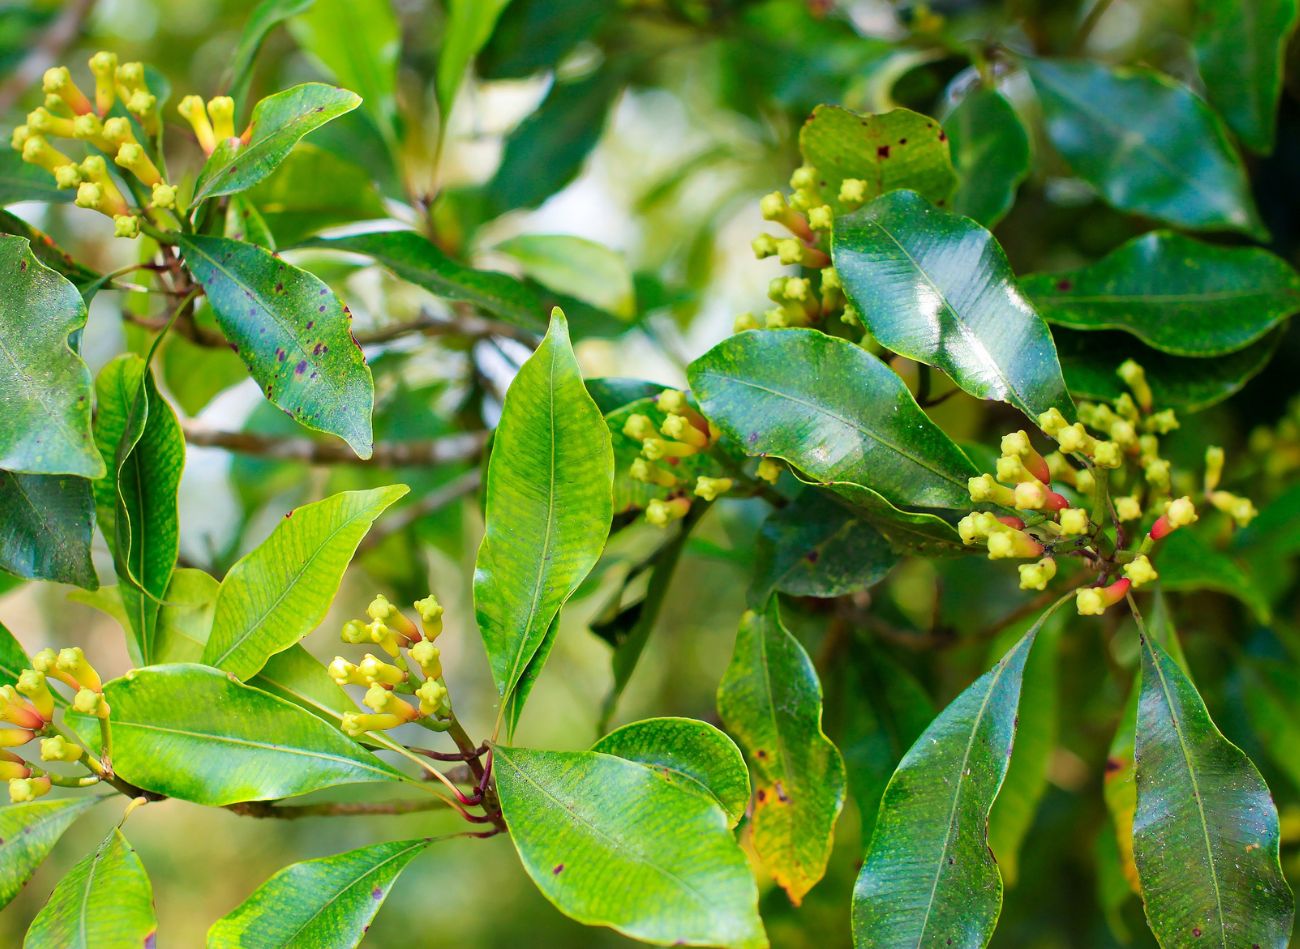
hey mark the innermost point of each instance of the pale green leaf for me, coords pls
(469, 24)
(577, 267)
(28, 832)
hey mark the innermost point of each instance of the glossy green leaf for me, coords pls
(468, 26)
(293, 205)
(771, 700)
(21, 181)
(937, 288)
(278, 122)
(330, 901)
(832, 410)
(265, 17)
(688, 754)
(929, 875)
(45, 388)
(193, 733)
(283, 588)
(611, 843)
(28, 832)
(359, 42)
(1240, 48)
(52, 255)
(1146, 143)
(990, 150)
(1205, 835)
(105, 902)
(293, 334)
(1179, 295)
(185, 617)
(896, 149)
(47, 527)
(577, 266)
(908, 532)
(549, 506)
(298, 677)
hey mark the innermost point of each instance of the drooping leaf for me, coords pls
(937, 288)
(1205, 835)
(771, 700)
(469, 24)
(293, 205)
(549, 506)
(990, 150)
(832, 410)
(22, 181)
(577, 266)
(929, 875)
(28, 832)
(896, 149)
(105, 902)
(47, 526)
(611, 843)
(330, 901)
(283, 588)
(1146, 143)
(278, 122)
(193, 733)
(293, 334)
(688, 754)
(45, 388)
(1179, 295)
(265, 17)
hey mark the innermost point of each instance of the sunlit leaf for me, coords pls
(28, 832)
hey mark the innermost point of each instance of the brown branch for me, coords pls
(435, 500)
(45, 53)
(266, 809)
(463, 446)
(464, 324)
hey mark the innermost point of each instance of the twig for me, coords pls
(435, 500)
(464, 446)
(464, 324)
(60, 35)
(1089, 23)
(267, 809)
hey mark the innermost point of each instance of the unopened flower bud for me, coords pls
(1011, 470)
(1008, 544)
(1156, 472)
(58, 81)
(1075, 439)
(1128, 508)
(345, 673)
(90, 702)
(974, 527)
(43, 122)
(679, 427)
(19, 137)
(657, 448)
(13, 766)
(984, 489)
(710, 489)
(1074, 522)
(1180, 513)
(164, 196)
(820, 218)
(192, 110)
(130, 78)
(1213, 467)
(16, 710)
(1139, 571)
(1030, 496)
(354, 632)
(434, 698)
(67, 176)
(117, 132)
(103, 65)
(33, 686)
(1123, 433)
(133, 158)
(59, 748)
(72, 662)
(15, 737)
(773, 206)
(1052, 422)
(386, 702)
(1240, 509)
(746, 321)
(1084, 481)
(1036, 576)
(221, 109)
(764, 245)
(643, 471)
(1094, 601)
(662, 513)
(1162, 423)
(428, 657)
(22, 790)
(1107, 455)
(768, 470)
(383, 636)
(126, 225)
(853, 191)
(803, 178)
(375, 671)
(357, 724)
(430, 612)
(639, 427)
(37, 151)
(1136, 379)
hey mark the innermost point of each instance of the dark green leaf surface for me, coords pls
(1205, 835)
(317, 903)
(47, 527)
(283, 588)
(937, 288)
(45, 388)
(832, 410)
(105, 902)
(191, 732)
(990, 150)
(52, 255)
(1179, 295)
(1146, 143)
(908, 532)
(28, 832)
(265, 17)
(688, 754)
(1188, 562)
(21, 181)
(611, 843)
(293, 334)
(771, 701)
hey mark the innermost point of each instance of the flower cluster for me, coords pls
(1277, 449)
(416, 670)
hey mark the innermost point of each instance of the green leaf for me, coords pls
(185, 617)
(265, 17)
(1179, 295)
(52, 255)
(688, 754)
(929, 875)
(1271, 687)
(1188, 562)
(549, 507)
(908, 532)
(1146, 143)
(469, 24)
(538, 34)
(771, 701)
(990, 150)
(278, 122)
(832, 410)
(611, 843)
(193, 733)
(1205, 835)
(330, 901)
(293, 205)
(47, 526)
(105, 902)
(281, 590)
(577, 266)
(28, 832)
(45, 388)
(21, 181)
(13, 660)
(1240, 48)
(298, 677)
(937, 288)
(897, 149)
(293, 334)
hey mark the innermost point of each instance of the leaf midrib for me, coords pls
(338, 895)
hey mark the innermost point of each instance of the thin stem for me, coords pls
(1090, 22)
(464, 446)
(269, 809)
(435, 500)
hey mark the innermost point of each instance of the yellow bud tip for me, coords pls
(222, 111)
(662, 513)
(789, 251)
(1036, 576)
(131, 75)
(1052, 422)
(1074, 438)
(1030, 496)
(1181, 512)
(746, 321)
(1074, 522)
(354, 632)
(1128, 508)
(103, 63)
(342, 671)
(164, 196)
(853, 191)
(19, 137)
(22, 790)
(67, 176)
(1090, 602)
(1011, 470)
(710, 489)
(1107, 455)
(764, 245)
(639, 427)
(429, 609)
(768, 470)
(1139, 571)
(820, 218)
(141, 103)
(772, 206)
(803, 177)
(117, 131)
(126, 225)
(56, 79)
(798, 288)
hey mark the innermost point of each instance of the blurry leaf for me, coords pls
(28, 832)
(298, 677)
(771, 701)
(990, 150)
(898, 149)
(278, 122)
(265, 17)
(469, 24)
(193, 733)
(52, 255)
(281, 590)
(929, 875)
(1240, 48)
(46, 529)
(1180, 295)
(1205, 835)
(330, 901)
(1113, 891)
(1275, 532)
(537, 34)
(45, 388)
(293, 204)
(1146, 143)
(185, 617)
(548, 509)
(832, 410)
(688, 754)
(611, 843)
(1187, 562)
(292, 332)
(194, 375)
(576, 266)
(937, 288)
(104, 902)
(13, 660)
(22, 181)
(1272, 686)
(613, 393)
(359, 42)
(245, 223)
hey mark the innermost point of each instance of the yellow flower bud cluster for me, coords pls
(1277, 449)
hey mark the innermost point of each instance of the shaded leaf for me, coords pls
(298, 677)
(52, 255)
(990, 150)
(22, 181)
(468, 26)
(577, 266)
(908, 532)
(28, 832)
(47, 526)
(264, 17)
(293, 204)
(1187, 562)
